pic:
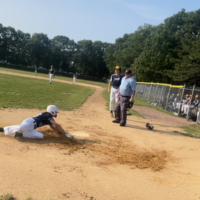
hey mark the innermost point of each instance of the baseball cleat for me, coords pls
(18, 135)
(69, 136)
(122, 124)
(116, 121)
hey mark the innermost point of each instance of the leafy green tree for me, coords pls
(62, 49)
(38, 50)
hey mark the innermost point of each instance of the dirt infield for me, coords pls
(104, 162)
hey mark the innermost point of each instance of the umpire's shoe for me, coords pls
(116, 121)
(122, 124)
(18, 135)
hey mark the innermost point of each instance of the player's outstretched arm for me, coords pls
(58, 128)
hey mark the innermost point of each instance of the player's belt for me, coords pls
(35, 124)
(125, 96)
(115, 87)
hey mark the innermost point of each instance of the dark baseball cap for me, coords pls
(128, 71)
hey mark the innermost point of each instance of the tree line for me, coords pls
(85, 56)
(166, 53)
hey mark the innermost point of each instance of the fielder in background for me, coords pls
(126, 94)
(74, 78)
(113, 88)
(28, 126)
(51, 74)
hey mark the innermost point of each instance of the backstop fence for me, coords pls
(180, 100)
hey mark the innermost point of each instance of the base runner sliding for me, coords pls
(28, 126)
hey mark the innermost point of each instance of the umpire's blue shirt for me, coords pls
(128, 85)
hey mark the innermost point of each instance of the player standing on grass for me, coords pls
(51, 74)
(28, 126)
(113, 88)
(74, 78)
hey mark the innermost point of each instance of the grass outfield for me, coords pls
(22, 92)
(106, 95)
(56, 77)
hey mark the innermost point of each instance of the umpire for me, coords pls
(126, 94)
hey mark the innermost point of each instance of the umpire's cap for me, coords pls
(128, 71)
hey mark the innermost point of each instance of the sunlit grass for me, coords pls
(22, 92)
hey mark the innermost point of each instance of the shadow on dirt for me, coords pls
(52, 138)
(154, 130)
(149, 121)
(59, 140)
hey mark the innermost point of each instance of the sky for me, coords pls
(104, 20)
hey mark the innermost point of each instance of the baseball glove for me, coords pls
(1, 129)
(130, 105)
(149, 126)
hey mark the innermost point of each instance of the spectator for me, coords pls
(186, 103)
(177, 103)
(194, 105)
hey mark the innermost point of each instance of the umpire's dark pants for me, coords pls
(121, 108)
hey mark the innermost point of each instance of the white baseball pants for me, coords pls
(113, 97)
(178, 105)
(50, 78)
(74, 79)
(186, 108)
(27, 128)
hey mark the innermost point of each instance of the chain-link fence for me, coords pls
(180, 100)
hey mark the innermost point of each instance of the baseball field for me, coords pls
(105, 161)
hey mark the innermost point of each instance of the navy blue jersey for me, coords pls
(52, 71)
(43, 119)
(116, 80)
(195, 102)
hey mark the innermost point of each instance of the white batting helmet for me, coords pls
(52, 109)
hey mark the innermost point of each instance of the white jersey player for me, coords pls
(51, 74)
(113, 87)
(74, 78)
(28, 126)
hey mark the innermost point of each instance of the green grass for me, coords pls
(22, 92)
(192, 129)
(7, 197)
(106, 95)
(140, 102)
(56, 77)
